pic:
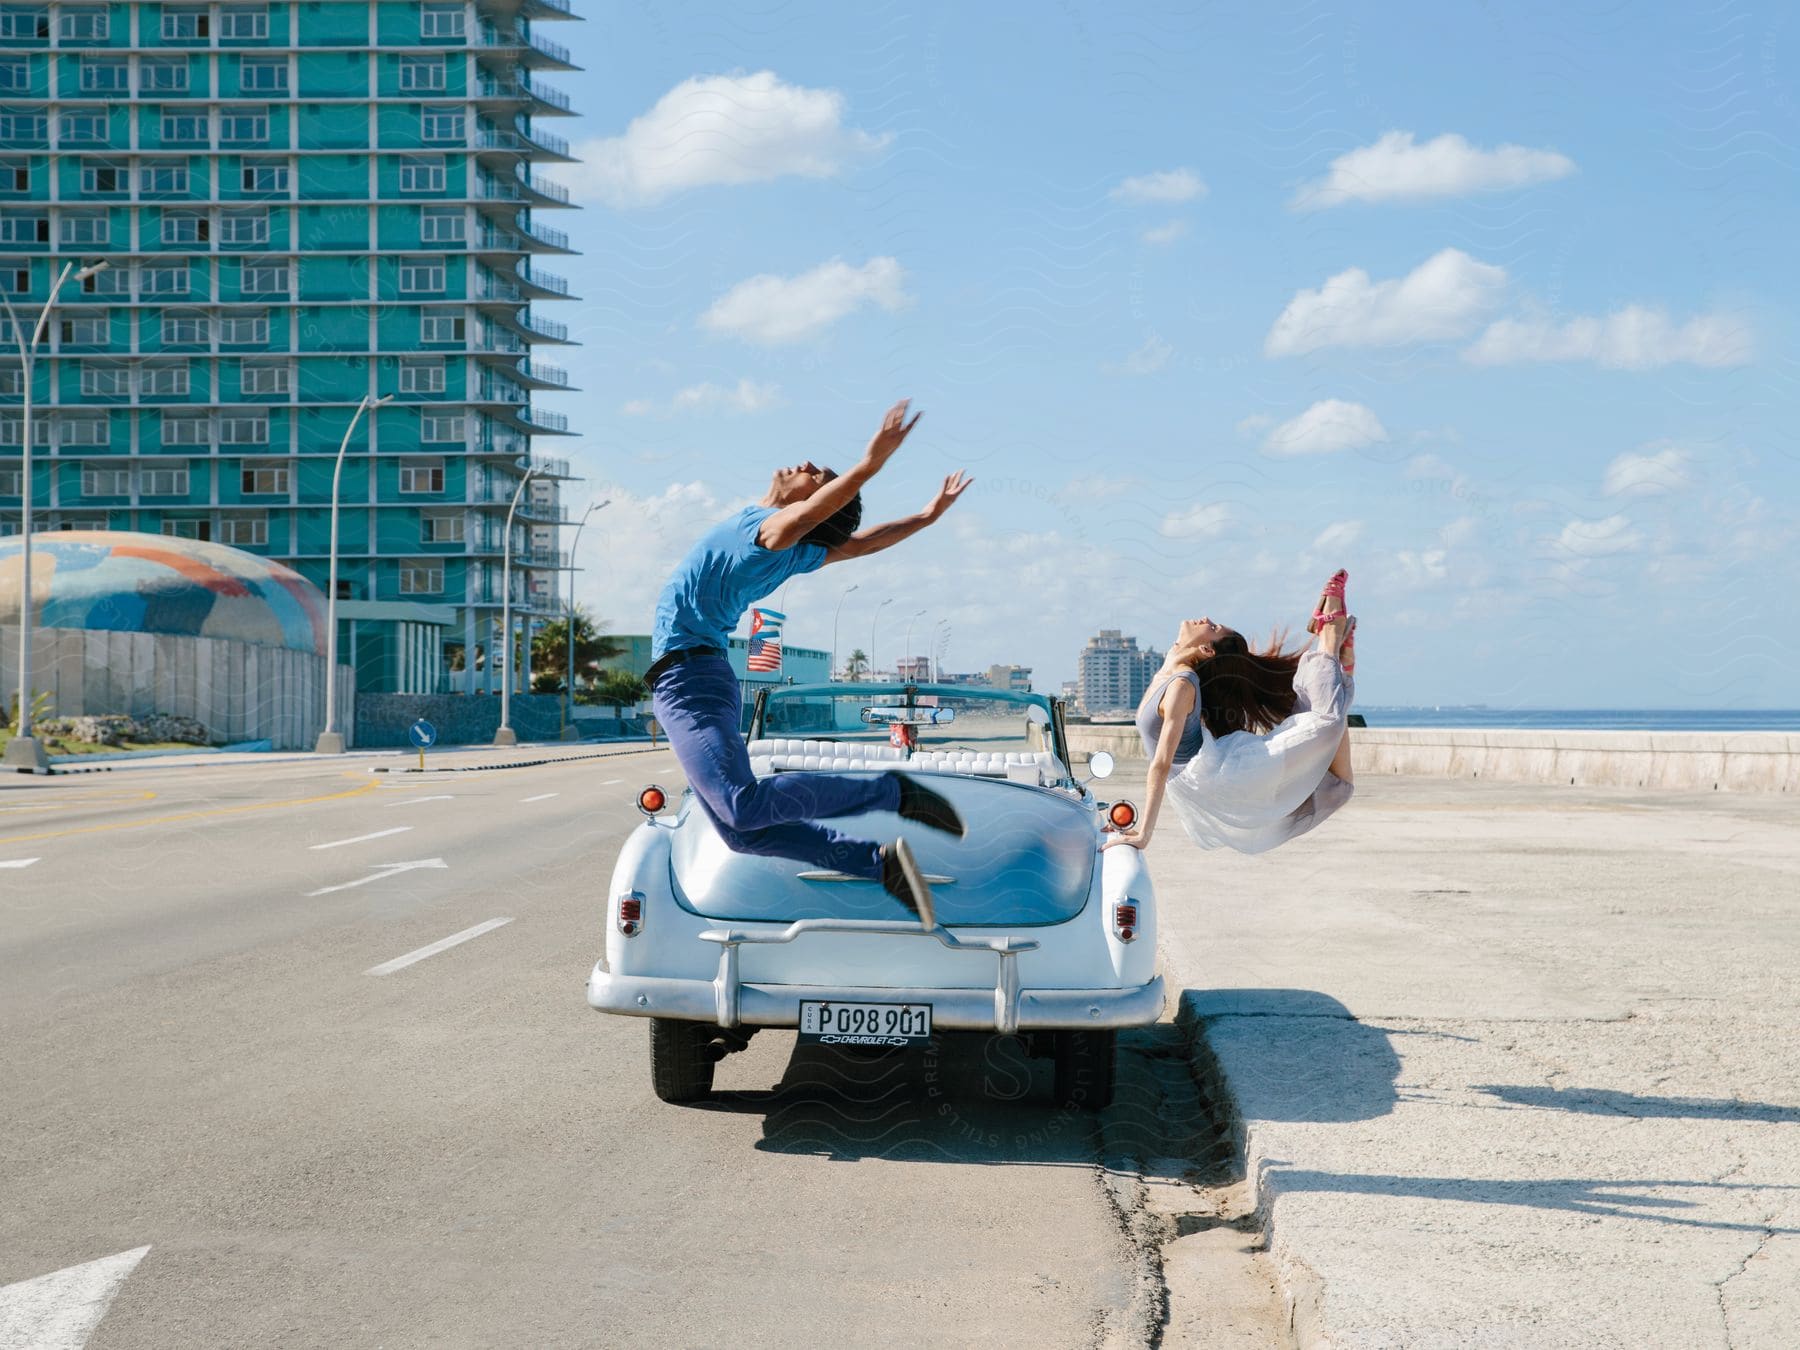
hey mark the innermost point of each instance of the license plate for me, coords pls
(831, 1023)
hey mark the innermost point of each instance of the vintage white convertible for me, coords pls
(1040, 934)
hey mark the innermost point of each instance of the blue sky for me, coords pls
(1492, 307)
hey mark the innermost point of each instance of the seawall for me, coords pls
(1694, 761)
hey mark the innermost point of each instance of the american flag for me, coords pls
(765, 640)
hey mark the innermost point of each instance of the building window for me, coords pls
(99, 381)
(12, 379)
(83, 431)
(15, 175)
(105, 75)
(265, 278)
(185, 25)
(442, 225)
(12, 431)
(442, 325)
(15, 74)
(267, 377)
(443, 124)
(442, 427)
(264, 76)
(187, 529)
(15, 278)
(265, 480)
(186, 227)
(98, 178)
(422, 173)
(241, 329)
(164, 482)
(422, 74)
(84, 229)
(29, 23)
(421, 475)
(12, 484)
(84, 24)
(422, 375)
(421, 274)
(241, 228)
(113, 281)
(162, 75)
(28, 229)
(244, 23)
(85, 330)
(22, 129)
(422, 576)
(185, 128)
(438, 20)
(185, 429)
(164, 381)
(185, 330)
(244, 429)
(261, 175)
(243, 126)
(245, 530)
(105, 480)
(83, 127)
(171, 279)
(164, 179)
(443, 529)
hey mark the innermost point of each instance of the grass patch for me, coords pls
(61, 747)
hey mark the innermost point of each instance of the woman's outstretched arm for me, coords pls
(1177, 702)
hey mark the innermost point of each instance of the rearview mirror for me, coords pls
(912, 717)
(1100, 764)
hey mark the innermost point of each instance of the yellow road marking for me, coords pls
(185, 815)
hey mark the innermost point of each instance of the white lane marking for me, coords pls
(612, 782)
(59, 1311)
(17, 862)
(541, 797)
(412, 801)
(363, 838)
(455, 939)
(381, 870)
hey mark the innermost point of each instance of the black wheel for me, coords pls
(1084, 1069)
(681, 1059)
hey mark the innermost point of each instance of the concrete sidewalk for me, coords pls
(1514, 1066)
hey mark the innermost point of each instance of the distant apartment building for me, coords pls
(1113, 672)
(918, 670)
(300, 205)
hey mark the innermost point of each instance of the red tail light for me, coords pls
(1123, 815)
(1125, 921)
(631, 914)
(652, 800)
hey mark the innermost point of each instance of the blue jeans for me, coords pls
(698, 706)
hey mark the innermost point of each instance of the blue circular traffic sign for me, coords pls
(422, 734)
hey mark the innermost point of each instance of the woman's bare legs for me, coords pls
(1331, 638)
(1340, 762)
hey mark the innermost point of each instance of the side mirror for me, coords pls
(1100, 765)
(1036, 715)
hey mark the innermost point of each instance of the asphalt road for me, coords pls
(458, 1153)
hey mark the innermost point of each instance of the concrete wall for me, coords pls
(1697, 761)
(460, 719)
(239, 691)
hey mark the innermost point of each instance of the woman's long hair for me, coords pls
(1243, 690)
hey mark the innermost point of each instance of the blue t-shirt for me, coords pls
(723, 574)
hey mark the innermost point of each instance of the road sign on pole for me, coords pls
(422, 734)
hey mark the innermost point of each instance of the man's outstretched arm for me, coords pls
(790, 525)
(878, 537)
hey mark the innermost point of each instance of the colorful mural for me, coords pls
(146, 583)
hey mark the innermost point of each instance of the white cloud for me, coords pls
(1398, 169)
(1443, 297)
(714, 129)
(1587, 539)
(1149, 358)
(1325, 428)
(1165, 234)
(1422, 567)
(747, 396)
(1197, 522)
(1255, 422)
(1633, 338)
(774, 309)
(1635, 475)
(633, 545)
(1170, 185)
(1339, 536)
(1460, 531)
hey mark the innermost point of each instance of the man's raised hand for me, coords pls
(894, 430)
(947, 495)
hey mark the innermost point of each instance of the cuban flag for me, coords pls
(765, 641)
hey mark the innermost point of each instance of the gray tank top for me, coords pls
(1150, 719)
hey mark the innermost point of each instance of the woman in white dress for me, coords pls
(1250, 748)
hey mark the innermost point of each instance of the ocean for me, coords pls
(1586, 719)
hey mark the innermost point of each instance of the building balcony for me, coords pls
(542, 375)
(552, 101)
(528, 49)
(538, 419)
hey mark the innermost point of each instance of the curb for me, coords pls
(523, 763)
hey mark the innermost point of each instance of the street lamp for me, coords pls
(506, 735)
(23, 752)
(331, 740)
(832, 673)
(569, 733)
(939, 643)
(909, 627)
(872, 622)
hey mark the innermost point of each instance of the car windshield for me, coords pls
(929, 717)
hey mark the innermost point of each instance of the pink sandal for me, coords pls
(1334, 590)
(1347, 648)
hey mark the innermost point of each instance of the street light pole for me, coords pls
(331, 740)
(23, 751)
(832, 673)
(938, 644)
(909, 628)
(872, 622)
(506, 735)
(569, 733)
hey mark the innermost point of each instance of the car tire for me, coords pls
(681, 1059)
(1084, 1069)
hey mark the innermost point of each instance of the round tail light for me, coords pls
(652, 800)
(1123, 815)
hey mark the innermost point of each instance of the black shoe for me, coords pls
(901, 878)
(920, 803)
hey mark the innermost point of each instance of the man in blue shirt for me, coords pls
(808, 518)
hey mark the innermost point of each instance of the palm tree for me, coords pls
(856, 664)
(550, 651)
(618, 688)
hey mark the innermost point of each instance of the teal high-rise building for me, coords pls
(300, 205)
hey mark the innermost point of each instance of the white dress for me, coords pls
(1255, 791)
